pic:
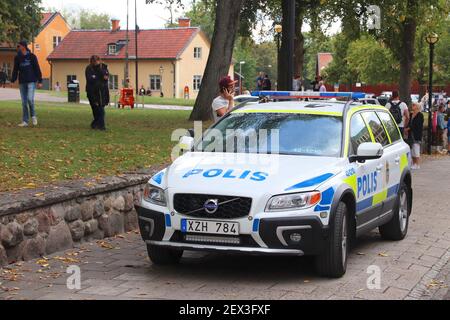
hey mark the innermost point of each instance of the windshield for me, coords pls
(283, 133)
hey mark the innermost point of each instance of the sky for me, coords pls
(150, 16)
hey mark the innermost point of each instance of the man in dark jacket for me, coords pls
(97, 76)
(26, 68)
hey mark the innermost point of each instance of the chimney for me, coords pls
(115, 23)
(184, 22)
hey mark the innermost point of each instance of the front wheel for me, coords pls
(163, 256)
(397, 228)
(333, 261)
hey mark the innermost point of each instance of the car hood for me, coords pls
(249, 174)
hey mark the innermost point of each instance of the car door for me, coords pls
(397, 157)
(366, 174)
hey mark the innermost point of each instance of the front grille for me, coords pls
(229, 207)
(244, 240)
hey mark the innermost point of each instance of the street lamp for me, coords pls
(161, 71)
(240, 76)
(431, 39)
(278, 30)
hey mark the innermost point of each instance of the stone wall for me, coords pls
(39, 222)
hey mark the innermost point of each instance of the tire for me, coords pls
(164, 256)
(332, 262)
(397, 228)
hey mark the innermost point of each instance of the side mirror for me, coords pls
(368, 151)
(186, 143)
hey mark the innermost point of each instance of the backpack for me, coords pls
(396, 112)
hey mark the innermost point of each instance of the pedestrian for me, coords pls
(316, 83)
(57, 87)
(142, 91)
(296, 83)
(26, 68)
(225, 101)
(448, 137)
(415, 134)
(399, 111)
(267, 84)
(97, 76)
(424, 102)
(441, 128)
(259, 81)
(3, 78)
(322, 87)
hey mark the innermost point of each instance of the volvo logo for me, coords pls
(211, 205)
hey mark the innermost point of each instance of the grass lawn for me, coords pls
(63, 147)
(147, 100)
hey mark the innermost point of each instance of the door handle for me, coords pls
(379, 167)
(397, 160)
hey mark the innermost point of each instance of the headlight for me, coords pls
(293, 201)
(154, 195)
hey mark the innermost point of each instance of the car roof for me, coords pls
(332, 108)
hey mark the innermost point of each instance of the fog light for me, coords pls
(324, 215)
(295, 237)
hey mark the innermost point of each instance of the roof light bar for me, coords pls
(308, 94)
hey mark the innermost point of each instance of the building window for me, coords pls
(112, 49)
(70, 78)
(155, 82)
(197, 83)
(197, 53)
(37, 47)
(7, 68)
(56, 41)
(113, 82)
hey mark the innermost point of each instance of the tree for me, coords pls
(19, 19)
(219, 60)
(371, 61)
(202, 15)
(86, 20)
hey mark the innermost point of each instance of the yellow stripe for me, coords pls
(403, 162)
(351, 181)
(368, 128)
(312, 112)
(379, 197)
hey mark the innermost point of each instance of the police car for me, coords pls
(322, 174)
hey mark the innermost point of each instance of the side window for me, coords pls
(358, 133)
(390, 126)
(377, 128)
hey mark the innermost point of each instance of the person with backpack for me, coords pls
(267, 84)
(399, 111)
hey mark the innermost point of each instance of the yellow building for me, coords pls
(53, 30)
(169, 59)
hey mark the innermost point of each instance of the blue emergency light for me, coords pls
(308, 94)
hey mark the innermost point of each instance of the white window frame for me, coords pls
(112, 49)
(197, 52)
(155, 85)
(113, 82)
(56, 41)
(197, 82)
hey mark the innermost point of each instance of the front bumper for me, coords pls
(272, 236)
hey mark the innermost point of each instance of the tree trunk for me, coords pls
(286, 59)
(219, 60)
(407, 60)
(299, 47)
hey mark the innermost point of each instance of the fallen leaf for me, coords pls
(382, 254)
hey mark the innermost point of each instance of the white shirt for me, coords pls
(219, 103)
(323, 88)
(402, 107)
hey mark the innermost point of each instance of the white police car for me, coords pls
(320, 174)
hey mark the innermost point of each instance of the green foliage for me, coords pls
(202, 15)
(315, 42)
(443, 55)
(371, 61)
(19, 19)
(84, 19)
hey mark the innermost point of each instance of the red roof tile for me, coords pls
(46, 16)
(153, 44)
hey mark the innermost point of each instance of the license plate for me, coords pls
(211, 227)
